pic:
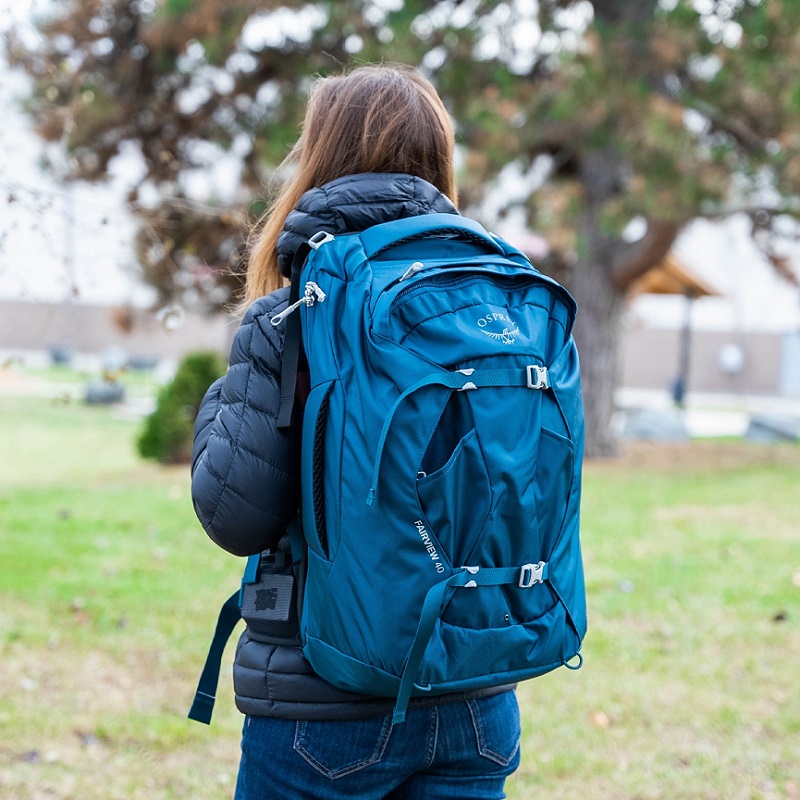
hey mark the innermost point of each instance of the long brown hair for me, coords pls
(377, 118)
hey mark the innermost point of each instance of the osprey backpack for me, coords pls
(441, 461)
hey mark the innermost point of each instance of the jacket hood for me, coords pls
(354, 203)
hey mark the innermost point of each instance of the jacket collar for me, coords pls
(355, 202)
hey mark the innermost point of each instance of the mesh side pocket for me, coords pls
(456, 499)
(318, 473)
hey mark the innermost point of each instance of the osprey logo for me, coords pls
(499, 327)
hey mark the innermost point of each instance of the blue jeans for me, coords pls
(463, 750)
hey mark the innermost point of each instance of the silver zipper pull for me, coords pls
(278, 318)
(412, 270)
(313, 294)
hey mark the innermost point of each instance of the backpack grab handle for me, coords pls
(381, 237)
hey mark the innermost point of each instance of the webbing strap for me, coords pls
(229, 615)
(460, 380)
(296, 539)
(431, 610)
(250, 571)
(292, 343)
(203, 705)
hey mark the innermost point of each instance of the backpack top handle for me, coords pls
(379, 238)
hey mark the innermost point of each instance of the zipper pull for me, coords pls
(278, 318)
(412, 270)
(313, 294)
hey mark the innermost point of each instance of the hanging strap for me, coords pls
(203, 705)
(435, 601)
(292, 342)
(230, 613)
(461, 380)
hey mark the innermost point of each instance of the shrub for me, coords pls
(167, 434)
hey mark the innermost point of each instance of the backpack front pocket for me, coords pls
(554, 474)
(456, 499)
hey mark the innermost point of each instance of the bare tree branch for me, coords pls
(759, 214)
(736, 128)
(641, 256)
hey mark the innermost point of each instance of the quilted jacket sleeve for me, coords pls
(245, 471)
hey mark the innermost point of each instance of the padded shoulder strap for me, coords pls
(292, 343)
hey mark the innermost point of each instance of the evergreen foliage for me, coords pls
(167, 433)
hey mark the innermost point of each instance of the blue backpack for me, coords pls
(441, 462)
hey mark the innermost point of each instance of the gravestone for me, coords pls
(104, 393)
(773, 428)
(653, 425)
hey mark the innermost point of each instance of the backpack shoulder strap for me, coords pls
(292, 343)
(230, 613)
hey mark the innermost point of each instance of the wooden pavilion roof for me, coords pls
(672, 277)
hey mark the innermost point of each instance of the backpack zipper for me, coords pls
(412, 270)
(503, 281)
(313, 294)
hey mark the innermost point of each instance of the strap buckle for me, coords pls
(531, 574)
(472, 571)
(538, 377)
(468, 384)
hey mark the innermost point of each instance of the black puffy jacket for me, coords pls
(245, 471)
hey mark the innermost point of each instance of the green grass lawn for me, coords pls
(109, 591)
(690, 686)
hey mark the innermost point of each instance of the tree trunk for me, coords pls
(599, 281)
(600, 301)
(597, 335)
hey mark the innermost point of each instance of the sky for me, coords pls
(73, 243)
(58, 242)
